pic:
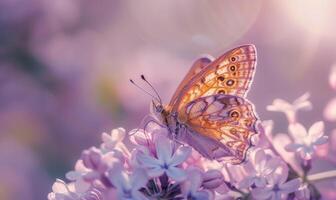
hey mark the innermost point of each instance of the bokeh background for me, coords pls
(65, 67)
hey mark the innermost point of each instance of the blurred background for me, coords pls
(65, 67)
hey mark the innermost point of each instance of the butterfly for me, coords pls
(209, 111)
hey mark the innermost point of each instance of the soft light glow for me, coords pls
(314, 16)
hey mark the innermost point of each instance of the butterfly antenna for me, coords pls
(157, 94)
(145, 91)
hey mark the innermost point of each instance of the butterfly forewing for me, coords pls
(195, 69)
(228, 119)
(230, 74)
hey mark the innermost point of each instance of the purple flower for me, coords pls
(195, 160)
(98, 163)
(191, 188)
(290, 109)
(71, 191)
(212, 179)
(332, 77)
(128, 184)
(265, 134)
(145, 140)
(277, 187)
(63, 191)
(78, 174)
(166, 161)
(234, 173)
(302, 193)
(305, 142)
(330, 110)
(259, 169)
(114, 141)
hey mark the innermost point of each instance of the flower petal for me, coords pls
(139, 179)
(279, 176)
(259, 158)
(290, 186)
(316, 130)
(302, 103)
(260, 182)
(137, 195)
(279, 105)
(81, 186)
(195, 178)
(139, 137)
(202, 195)
(272, 164)
(164, 149)
(332, 77)
(212, 179)
(262, 193)
(118, 134)
(302, 98)
(321, 140)
(293, 147)
(73, 175)
(176, 174)
(147, 160)
(60, 187)
(330, 110)
(180, 156)
(155, 172)
(118, 177)
(246, 182)
(298, 131)
(106, 138)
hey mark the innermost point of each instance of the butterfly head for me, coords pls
(158, 107)
(158, 110)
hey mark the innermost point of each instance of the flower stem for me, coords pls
(322, 175)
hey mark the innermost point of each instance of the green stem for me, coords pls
(322, 175)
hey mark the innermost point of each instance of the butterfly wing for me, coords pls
(196, 68)
(207, 97)
(230, 74)
(227, 122)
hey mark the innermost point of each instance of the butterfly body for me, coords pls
(209, 110)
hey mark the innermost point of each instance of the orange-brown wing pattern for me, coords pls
(196, 68)
(224, 118)
(229, 74)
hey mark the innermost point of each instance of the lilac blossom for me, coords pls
(332, 77)
(261, 166)
(128, 185)
(61, 190)
(191, 187)
(330, 110)
(290, 109)
(152, 166)
(114, 141)
(277, 187)
(145, 141)
(305, 142)
(99, 163)
(167, 161)
(212, 179)
(70, 191)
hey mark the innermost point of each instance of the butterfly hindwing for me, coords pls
(227, 119)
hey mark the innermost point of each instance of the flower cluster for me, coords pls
(139, 165)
